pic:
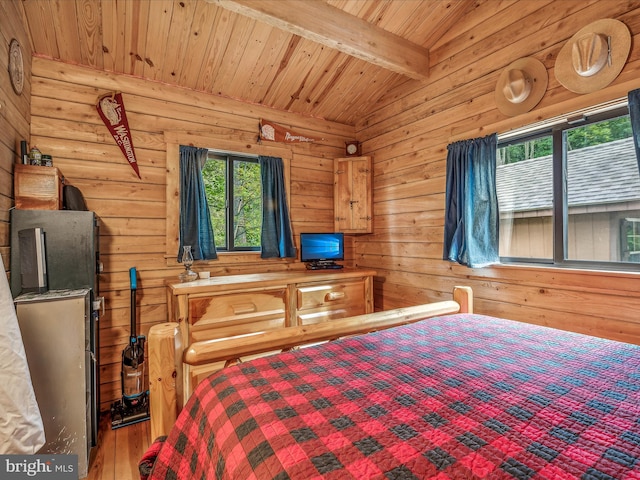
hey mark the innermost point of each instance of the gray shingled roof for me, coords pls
(607, 173)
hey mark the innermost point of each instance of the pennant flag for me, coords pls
(276, 133)
(111, 110)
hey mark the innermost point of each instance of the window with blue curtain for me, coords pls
(276, 239)
(195, 220)
(471, 208)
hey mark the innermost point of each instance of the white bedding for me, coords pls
(21, 430)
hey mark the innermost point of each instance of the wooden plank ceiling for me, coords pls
(330, 59)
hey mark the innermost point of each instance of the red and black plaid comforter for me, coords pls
(454, 397)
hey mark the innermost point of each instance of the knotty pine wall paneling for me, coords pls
(408, 137)
(14, 116)
(64, 123)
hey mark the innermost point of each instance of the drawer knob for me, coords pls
(331, 296)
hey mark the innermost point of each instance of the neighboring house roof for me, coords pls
(606, 173)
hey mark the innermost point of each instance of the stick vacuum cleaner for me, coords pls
(134, 405)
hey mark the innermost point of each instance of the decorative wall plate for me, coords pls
(16, 66)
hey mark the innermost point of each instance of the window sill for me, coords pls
(608, 272)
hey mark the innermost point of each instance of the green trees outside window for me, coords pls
(234, 193)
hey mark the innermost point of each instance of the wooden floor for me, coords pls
(118, 452)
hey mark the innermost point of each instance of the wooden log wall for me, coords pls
(133, 212)
(408, 136)
(14, 116)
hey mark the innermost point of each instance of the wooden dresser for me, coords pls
(220, 307)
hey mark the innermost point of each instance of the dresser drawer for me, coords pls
(324, 314)
(217, 316)
(311, 296)
(322, 302)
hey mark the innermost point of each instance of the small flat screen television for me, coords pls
(321, 248)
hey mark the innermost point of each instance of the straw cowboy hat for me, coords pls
(521, 86)
(594, 56)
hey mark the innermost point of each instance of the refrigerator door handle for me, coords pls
(98, 306)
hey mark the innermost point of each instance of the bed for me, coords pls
(455, 396)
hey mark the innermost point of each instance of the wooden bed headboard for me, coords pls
(169, 358)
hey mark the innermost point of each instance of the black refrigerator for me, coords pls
(72, 258)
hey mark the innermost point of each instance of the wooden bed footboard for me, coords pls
(170, 360)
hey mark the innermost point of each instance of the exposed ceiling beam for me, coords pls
(322, 23)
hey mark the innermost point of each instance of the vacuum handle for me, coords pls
(132, 278)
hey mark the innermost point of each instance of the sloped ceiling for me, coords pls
(331, 59)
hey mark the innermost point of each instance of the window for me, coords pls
(570, 195)
(234, 194)
(630, 238)
(218, 143)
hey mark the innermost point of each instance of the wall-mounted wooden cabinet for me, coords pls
(352, 195)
